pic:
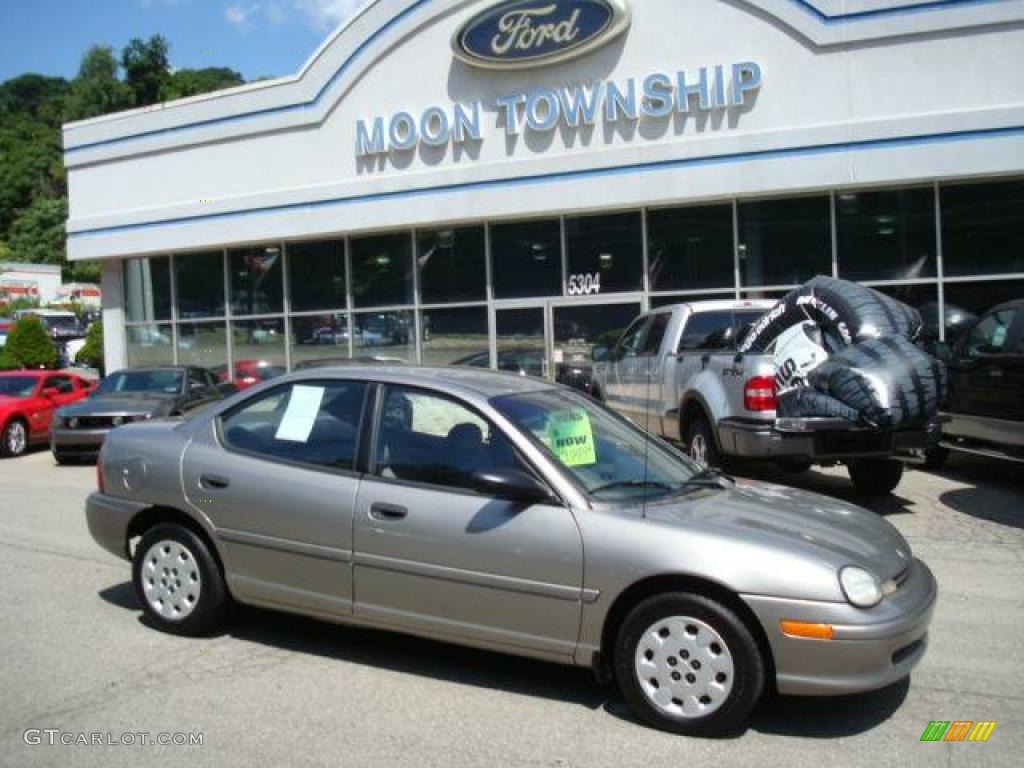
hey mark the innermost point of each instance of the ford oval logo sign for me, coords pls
(530, 33)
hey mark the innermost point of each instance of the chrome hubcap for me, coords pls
(171, 580)
(699, 450)
(16, 438)
(684, 667)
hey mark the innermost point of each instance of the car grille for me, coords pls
(90, 422)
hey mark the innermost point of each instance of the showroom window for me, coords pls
(316, 275)
(199, 284)
(786, 241)
(526, 259)
(147, 289)
(149, 345)
(690, 248)
(983, 228)
(580, 328)
(319, 337)
(452, 264)
(204, 344)
(455, 336)
(604, 254)
(923, 298)
(384, 336)
(258, 343)
(886, 235)
(966, 302)
(256, 287)
(382, 270)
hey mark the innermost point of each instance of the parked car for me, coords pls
(529, 361)
(140, 394)
(249, 372)
(677, 372)
(985, 403)
(28, 400)
(60, 324)
(516, 515)
(5, 328)
(330, 362)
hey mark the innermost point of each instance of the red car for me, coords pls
(28, 400)
(250, 372)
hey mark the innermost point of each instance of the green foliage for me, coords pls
(30, 345)
(146, 68)
(34, 96)
(37, 235)
(97, 89)
(192, 82)
(91, 353)
(7, 363)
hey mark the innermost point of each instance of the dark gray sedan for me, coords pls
(123, 397)
(507, 513)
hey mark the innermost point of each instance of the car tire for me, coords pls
(689, 665)
(875, 477)
(936, 458)
(177, 580)
(14, 439)
(62, 459)
(794, 466)
(699, 440)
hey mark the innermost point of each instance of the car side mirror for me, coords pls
(51, 392)
(510, 484)
(599, 353)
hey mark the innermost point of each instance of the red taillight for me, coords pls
(99, 478)
(759, 394)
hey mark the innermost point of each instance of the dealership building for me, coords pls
(467, 180)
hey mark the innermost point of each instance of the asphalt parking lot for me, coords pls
(276, 690)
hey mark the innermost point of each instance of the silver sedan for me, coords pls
(505, 513)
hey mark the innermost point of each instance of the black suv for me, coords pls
(986, 388)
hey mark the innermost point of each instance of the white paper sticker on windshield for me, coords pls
(303, 406)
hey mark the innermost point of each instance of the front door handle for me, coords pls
(996, 373)
(387, 512)
(213, 482)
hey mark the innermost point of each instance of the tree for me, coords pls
(97, 90)
(36, 96)
(37, 235)
(146, 69)
(192, 82)
(30, 165)
(91, 353)
(29, 345)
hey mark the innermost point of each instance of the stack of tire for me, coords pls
(874, 375)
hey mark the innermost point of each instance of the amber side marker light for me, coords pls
(806, 629)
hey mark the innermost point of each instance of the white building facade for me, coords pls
(514, 181)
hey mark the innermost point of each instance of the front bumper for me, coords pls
(108, 519)
(871, 649)
(821, 439)
(77, 442)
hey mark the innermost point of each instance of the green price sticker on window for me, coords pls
(571, 438)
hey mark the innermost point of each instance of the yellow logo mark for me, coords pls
(982, 730)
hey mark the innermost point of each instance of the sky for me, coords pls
(259, 38)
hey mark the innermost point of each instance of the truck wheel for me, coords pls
(936, 458)
(700, 443)
(689, 665)
(875, 477)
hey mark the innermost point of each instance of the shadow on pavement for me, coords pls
(788, 716)
(994, 490)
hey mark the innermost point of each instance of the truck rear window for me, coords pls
(718, 330)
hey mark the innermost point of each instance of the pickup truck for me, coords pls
(677, 373)
(985, 405)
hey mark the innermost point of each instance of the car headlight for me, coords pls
(860, 587)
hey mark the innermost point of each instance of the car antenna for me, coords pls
(647, 437)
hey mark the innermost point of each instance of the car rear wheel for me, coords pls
(700, 443)
(875, 477)
(177, 580)
(936, 458)
(14, 440)
(688, 664)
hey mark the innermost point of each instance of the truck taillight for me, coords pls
(99, 478)
(759, 394)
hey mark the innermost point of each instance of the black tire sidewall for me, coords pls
(701, 426)
(749, 666)
(875, 476)
(212, 595)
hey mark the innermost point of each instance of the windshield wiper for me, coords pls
(709, 477)
(632, 484)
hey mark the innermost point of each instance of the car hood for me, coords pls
(823, 527)
(98, 405)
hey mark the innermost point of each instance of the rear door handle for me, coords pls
(387, 512)
(215, 482)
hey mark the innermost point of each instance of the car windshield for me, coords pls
(142, 382)
(61, 321)
(610, 458)
(17, 386)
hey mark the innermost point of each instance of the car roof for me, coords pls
(35, 374)
(484, 383)
(720, 305)
(1013, 304)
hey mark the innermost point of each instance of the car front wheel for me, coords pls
(177, 580)
(875, 477)
(689, 665)
(14, 440)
